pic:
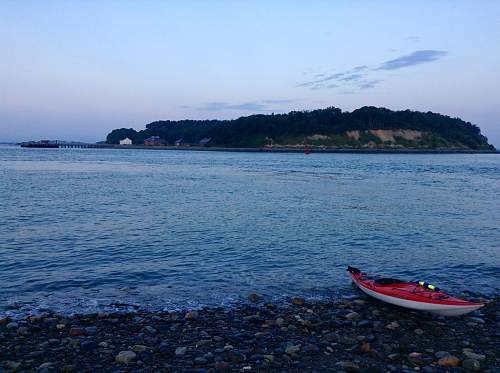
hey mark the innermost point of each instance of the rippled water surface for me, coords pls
(82, 229)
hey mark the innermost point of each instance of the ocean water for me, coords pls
(89, 229)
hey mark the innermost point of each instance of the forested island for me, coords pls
(331, 128)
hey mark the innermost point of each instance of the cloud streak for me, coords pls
(254, 106)
(361, 77)
(415, 58)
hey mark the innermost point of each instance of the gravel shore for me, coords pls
(349, 335)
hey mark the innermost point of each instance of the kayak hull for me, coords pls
(448, 306)
(437, 309)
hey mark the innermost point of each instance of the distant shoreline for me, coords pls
(265, 149)
(300, 150)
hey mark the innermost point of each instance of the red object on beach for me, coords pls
(307, 151)
(419, 296)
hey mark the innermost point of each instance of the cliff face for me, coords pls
(368, 127)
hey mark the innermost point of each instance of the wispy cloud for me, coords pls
(368, 84)
(413, 38)
(319, 81)
(415, 58)
(254, 106)
(350, 77)
(219, 106)
(273, 101)
(365, 77)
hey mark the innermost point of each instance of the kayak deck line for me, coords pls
(412, 295)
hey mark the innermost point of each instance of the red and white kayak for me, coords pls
(419, 296)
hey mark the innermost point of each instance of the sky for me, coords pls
(75, 70)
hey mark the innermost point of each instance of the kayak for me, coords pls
(419, 295)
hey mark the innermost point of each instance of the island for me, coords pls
(367, 128)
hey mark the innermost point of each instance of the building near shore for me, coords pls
(126, 141)
(153, 141)
(180, 142)
(205, 141)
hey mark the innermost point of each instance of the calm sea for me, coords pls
(91, 229)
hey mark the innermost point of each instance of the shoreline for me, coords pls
(313, 150)
(353, 334)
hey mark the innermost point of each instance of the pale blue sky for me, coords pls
(77, 69)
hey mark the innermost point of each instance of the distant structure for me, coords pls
(205, 141)
(59, 144)
(153, 141)
(180, 142)
(126, 141)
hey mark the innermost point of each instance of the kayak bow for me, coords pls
(419, 296)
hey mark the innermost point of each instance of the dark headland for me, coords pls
(366, 129)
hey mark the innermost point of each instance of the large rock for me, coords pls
(150, 330)
(139, 348)
(125, 357)
(180, 351)
(352, 316)
(12, 365)
(393, 325)
(88, 345)
(298, 301)
(191, 315)
(468, 353)
(12, 325)
(441, 354)
(76, 332)
(349, 366)
(449, 361)
(222, 366)
(292, 350)
(471, 365)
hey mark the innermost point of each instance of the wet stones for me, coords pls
(76, 332)
(297, 301)
(352, 316)
(468, 353)
(313, 337)
(471, 365)
(393, 325)
(191, 315)
(349, 366)
(12, 365)
(180, 351)
(292, 349)
(150, 330)
(415, 358)
(88, 345)
(90, 330)
(125, 357)
(441, 354)
(12, 325)
(139, 348)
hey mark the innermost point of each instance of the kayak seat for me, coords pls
(387, 281)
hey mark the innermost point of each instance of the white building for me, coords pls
(126, 141)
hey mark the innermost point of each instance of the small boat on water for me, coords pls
(420, 295)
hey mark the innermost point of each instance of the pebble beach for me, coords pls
(354, 334)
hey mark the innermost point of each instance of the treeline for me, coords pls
(318, 127)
